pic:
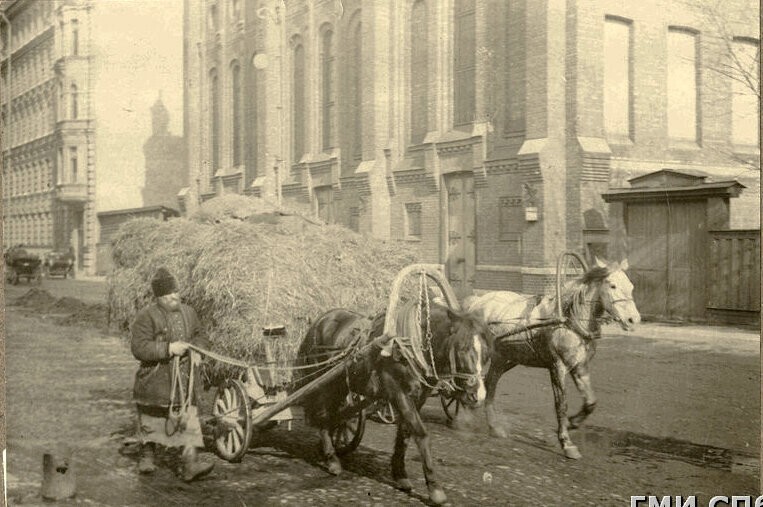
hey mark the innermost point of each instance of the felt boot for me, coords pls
(193, 468)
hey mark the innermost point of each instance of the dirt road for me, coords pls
(678, 414)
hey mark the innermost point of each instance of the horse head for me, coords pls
(616, 293)
(461, 343)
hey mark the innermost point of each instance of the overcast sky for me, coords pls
(138, 46)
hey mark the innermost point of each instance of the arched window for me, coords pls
(75, 102)
(236, 115)
(75, 37)
(327, 89)
(298, 104)
(419, 71)
(464, 63)
(214, 119)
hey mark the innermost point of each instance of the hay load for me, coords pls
(244, 273)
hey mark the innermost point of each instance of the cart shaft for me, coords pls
(316, 384)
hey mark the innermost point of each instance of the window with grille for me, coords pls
(511, 218)
(413, 220)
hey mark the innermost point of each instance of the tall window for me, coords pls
(236, 114)
(357, 92)
(214, 119)
(75, 37)
(745, 103)
(73, 176)
(419, 71)
(298, 104)
(617, 77)
(327, 90)
(75, 104)
(683, 99)
(324, 203)
(465, 63)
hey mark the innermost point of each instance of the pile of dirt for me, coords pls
(96, 316)
(35, 299)
(67, 305)
(244, 273)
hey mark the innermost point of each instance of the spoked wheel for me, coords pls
(451, 405)
(384, 413)
(346, 435)
(234, 421)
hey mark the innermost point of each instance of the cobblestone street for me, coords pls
(678, 414)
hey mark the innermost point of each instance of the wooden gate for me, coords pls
(668, 257)
(461, 240)
(734, 274)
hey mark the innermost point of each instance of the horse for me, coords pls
(457, 356)
(603, 291)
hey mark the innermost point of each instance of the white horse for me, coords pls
(561, 348)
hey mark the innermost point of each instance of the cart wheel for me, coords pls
(384, 413)
(451, 406)
(234, 421)
(346, 435)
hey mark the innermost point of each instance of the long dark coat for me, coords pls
(151, 336)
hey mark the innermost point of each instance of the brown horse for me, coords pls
(562, 348)
(457, 356)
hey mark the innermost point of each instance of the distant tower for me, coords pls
(160, 118)
(164, 160)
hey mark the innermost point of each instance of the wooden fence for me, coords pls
(734, 275)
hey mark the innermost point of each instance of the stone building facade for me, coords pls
(47, 125)
(165, 161)
(482, 132)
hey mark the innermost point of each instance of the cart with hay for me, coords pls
(259, 398)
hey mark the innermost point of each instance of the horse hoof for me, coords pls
(573, 423)
(498, 432)
(572, 452)
(335, 468)
(404, 485)
(437, 495)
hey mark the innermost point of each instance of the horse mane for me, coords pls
(574, 298)
(470, 320)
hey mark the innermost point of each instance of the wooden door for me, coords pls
(687, 254)
(647, 256)
(668, 256)
(461, 239)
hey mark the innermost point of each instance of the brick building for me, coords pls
(165, 161)
(484, 132)
(47, 125)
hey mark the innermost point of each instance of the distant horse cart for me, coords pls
(22, 264)
(557, 333)
(347, 363)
